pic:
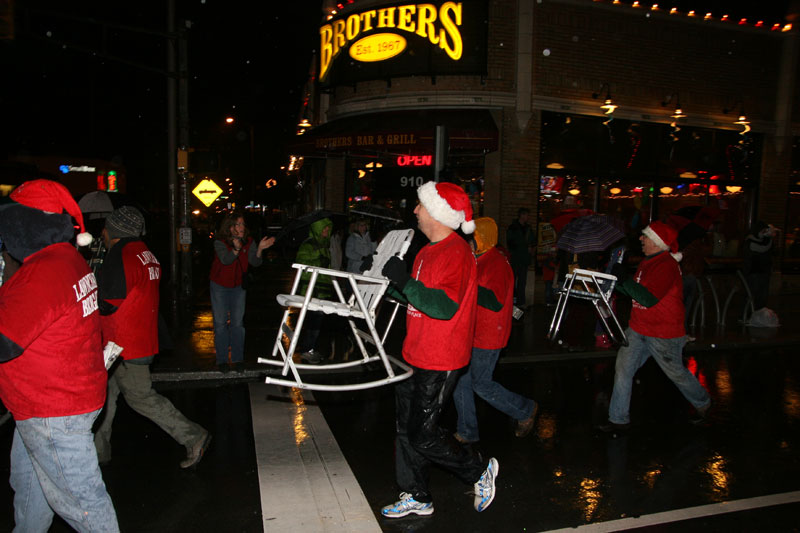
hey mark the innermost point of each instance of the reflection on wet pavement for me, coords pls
(202, 332)
(299, 422)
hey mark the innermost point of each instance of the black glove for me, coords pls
(620, 271)
(395, 271)
(366, 263)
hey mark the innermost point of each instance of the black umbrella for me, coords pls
(377, 211)
(296, 230)
(592, 233)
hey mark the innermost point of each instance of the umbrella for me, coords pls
(296, 230)
(568, 215)
(100, 204)
(377, 211)
(592, 233)
(96, 204)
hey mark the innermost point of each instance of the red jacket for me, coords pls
(492, 328)
(134, 325)
(661, 275)
(231, 275)
(436, 344)
(49, 308)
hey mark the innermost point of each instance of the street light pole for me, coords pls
(172, 161)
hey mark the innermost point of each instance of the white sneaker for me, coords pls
(484, 488)
(407, 505)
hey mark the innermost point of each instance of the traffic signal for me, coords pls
(112, 181)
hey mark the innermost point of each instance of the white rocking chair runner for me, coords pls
(367, 291)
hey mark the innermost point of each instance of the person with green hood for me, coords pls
(315, 251)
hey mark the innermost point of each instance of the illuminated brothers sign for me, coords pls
(407, 39)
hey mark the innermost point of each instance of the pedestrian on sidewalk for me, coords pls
(440, 322)
(492, 330)
(359, 246)
(128, 296)
(315, 251)
(757, 267)
(656, 326)
(521, 242)
(52, 375)
(234, 252)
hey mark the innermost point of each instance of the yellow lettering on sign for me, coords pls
(377, 47)
(425, 19)
(353, 27)
(441, 27)
(386, 17)
(404, 14)
(450, 27)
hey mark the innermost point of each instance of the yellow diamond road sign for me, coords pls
(207, 191)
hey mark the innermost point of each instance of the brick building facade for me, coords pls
(544, 62)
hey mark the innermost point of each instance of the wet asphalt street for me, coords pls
(738, 473)
(564, 475)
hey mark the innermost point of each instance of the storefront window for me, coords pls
(792, 233)
(638, 172)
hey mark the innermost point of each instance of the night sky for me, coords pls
(59, 99)
(248, 61)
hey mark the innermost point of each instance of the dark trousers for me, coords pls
(520, 281)
(310, 333)
(420, 441)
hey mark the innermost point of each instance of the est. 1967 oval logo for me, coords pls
(377, 47)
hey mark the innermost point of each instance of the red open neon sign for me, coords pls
(414, 160)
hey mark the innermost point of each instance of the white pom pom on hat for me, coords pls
(52, 197)
(448, 204)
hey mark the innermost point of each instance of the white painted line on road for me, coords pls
(306, 484)
(689, 513)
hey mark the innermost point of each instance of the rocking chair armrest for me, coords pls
(339, 273)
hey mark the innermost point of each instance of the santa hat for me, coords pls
(448, 204)
(664, 236)
(51, 197)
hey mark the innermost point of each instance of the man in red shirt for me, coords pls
(656, 326)
(52, 375)
(440, 321)
(492, 329)
(128, 292)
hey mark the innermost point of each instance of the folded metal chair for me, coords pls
(367, 291)
(596, 287)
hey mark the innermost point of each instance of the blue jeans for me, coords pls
(478, 378)
(668, 353)
(227, 306)
(54, 468)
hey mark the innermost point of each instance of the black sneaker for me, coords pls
(611, 428)
(311, 357)
(700, 416)
(223, 367)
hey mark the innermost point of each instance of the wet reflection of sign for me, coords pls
(207, 191)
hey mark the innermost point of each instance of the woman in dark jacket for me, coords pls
(234, 252)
